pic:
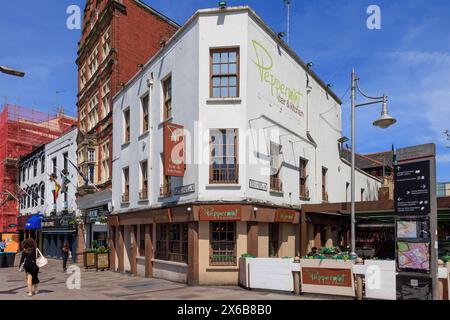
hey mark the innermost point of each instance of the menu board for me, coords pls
(103, 261)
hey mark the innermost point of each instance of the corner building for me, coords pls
(217, 143)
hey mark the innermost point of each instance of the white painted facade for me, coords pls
(311, 132)
(57, 149)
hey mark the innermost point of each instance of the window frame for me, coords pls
(212, 76)
(211, 241)
(303, 178)
(145, 124)
(126, 126)
(212, 157)
(167, 99)
(183, 242)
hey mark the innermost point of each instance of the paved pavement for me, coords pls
(107, 285)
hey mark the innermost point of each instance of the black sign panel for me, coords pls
(412, 188)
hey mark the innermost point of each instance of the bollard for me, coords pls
(359, 280)
(297, 276)
(441, 281)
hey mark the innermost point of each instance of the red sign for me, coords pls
(327, 277)
(285, 215)
(219, 212)
(173, 150)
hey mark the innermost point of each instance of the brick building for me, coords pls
(118, 37)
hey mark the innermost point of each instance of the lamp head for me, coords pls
(385, 120)
(310, 64)
(222, 4)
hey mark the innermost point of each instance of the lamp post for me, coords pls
(383, 122)
(11, 71)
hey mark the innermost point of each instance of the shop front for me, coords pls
(29, 226)
(200, 243)
(96, 227)
(56, 231)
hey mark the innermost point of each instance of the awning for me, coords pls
(34, 222)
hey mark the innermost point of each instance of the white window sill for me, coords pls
(172, 263)
(223, 101)
(144, 135)
(277, 193)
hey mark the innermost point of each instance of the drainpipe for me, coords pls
(308, 133)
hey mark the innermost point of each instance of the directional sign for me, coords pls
(412, 188)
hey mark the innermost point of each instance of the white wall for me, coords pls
(187, 57)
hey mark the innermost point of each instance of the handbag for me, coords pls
(21, 267)
(40, 259)
(70, 255)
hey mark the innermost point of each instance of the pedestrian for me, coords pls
(28, 263)
(2, 246)
(65, 251)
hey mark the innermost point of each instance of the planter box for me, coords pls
(103, 260)
(266, 273)
(327, 276)
(90, 260)
(380, 279)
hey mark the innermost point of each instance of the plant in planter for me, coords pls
(102, 219)
(247, 255)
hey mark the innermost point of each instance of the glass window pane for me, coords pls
(216, 81)
(224, 57)
(233, 92)
(216, 92)
(232, 56)
(216, 69)
(224, 92)
(216, 57)
(224, 81)
(224, 69)
(233, 81)
(233, 68)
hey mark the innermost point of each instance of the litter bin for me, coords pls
(9, 259)
(2, 260)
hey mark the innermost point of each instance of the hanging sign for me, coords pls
(173, 150)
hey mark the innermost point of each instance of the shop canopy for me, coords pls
(34, 222)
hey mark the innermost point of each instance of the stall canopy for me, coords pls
(34, 222)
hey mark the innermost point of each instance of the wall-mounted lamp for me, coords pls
(329, 85)
(309, 65)
(281, 34)
(189, 209)
(255, 209)
(222, 4)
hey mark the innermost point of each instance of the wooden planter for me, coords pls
(90, 260)
(103, 261)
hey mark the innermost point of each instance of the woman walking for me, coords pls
(28, 263)
(65, 251)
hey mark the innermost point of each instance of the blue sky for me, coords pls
(409, 59)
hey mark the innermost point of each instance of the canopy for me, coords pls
(34, 222)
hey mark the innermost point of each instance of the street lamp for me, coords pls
(383, 122)
(11, 72)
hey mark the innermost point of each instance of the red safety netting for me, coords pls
(22, 130)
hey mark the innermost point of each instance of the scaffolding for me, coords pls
(22, 130)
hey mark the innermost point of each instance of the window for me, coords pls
(145, 101)
(304, 191)
(65, 161)
(275, 167)
(273, 239)
(24, 171)
(91, 173)
(126, 119)
(105, 161)
(167, 94)
(363, 194)
(143, 194)
(91, 155)
(142, 240)
(93, 62)
(54, 167)
(105, 99)
(172, 242)
(106, 47)
(83, 79)
(35, 165)
(324, 184)
(224, 73)
(93, 112)
(224, 158)
(83, 120)
(223, 243)
(42, 164)
(126, 185)
(347, 192)
(166, 189)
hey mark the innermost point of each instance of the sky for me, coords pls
(408, 59)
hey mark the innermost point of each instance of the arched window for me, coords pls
(42, 193)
